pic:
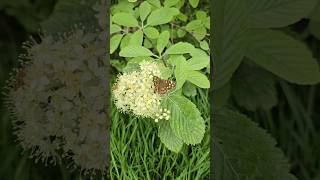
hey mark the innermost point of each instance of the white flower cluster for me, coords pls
(134, 92)
(164, 114)
(59, 110)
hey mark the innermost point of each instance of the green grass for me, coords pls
(137, 153)
(295, 125)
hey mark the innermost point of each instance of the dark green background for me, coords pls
(294, 121)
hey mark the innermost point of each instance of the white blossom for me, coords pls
(59, 109)
(134, 92)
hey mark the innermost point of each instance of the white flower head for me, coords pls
(134, 92)
(57, 101)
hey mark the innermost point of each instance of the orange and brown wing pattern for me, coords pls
(162, 86)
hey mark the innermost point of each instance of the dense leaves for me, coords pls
(277, 13)
(273, 50)
(125, 19)
(240, 32)
(67, 14)
(160, 16)
(229, 44)
(186, 122)
(283, 55)
(254, 88)
(135, 51)
(167, 33)
(180, 48)
(246, 151)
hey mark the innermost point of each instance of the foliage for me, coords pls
(73, 55)
(67, 14)
(28, 13)
(169, 33)
(250, 61)
(136, 151)
(288, 111)
(255, 156)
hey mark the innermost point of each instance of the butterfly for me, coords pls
(162, 86)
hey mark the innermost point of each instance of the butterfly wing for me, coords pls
(162, 86)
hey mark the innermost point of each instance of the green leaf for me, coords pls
(67, 13)
(254, 92)
(200, 33)
(245, 151)
(114, 42)
(165, 71)
(122, 6)
(125, 19)
(202, 15)
(144, 10)
(117, 64)
(180, 70)
(125, 41)
(155, 3)
(278, 13)
(30, 21)
(168, 138)
(136, 39)
(135, 51)
(198, 79)
(160, 16)
(180, 48)
(114, 28)
(315, 13)
(283, 56)
(181, 33)
(189, 89)
(198, 52)
(194, 24)
(133, 64)
(163, 41)
(314, 27)
(130, 67)
(207, 23)
(182, 17)
(196, 27)
(204, 45)
(229, 42)
(147, 43)
(170, 3)
(138, 60)
(194, 3)
(186, 121)
(180, 4)
(174, 11)
(151, 32)
(198, 62)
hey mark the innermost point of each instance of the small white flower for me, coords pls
(134, 91)
(58, 110)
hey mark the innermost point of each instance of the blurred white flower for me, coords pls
(59, 107)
